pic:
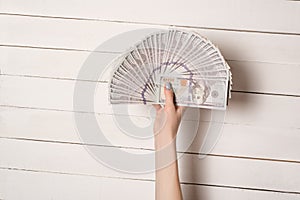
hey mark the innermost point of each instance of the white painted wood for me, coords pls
(257, 126)
(281, 16)
(87, 35)
(250, 109)
(43, 62)
(235, 140)
(60, 158)
(211, 170)
(37, 185)
(267, 77)
(40, 185)
(195, 192)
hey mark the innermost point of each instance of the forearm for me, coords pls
(167, 185)
(167, 180)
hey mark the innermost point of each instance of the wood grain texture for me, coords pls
(267, 77)
(74, 159)
(61, 33)
(43, 46)
(281, 16)
(247, 109)
(261, 142)
(41, 185)
(63, 186)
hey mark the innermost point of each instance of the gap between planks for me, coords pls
(148, 149)
(150, 180)
(72, 79)
(109, 114)
(111, 52)
(148, 23)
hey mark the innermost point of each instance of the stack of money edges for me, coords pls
(198, 73)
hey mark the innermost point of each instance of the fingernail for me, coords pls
(168, 86)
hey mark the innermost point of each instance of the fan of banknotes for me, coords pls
(198, 73)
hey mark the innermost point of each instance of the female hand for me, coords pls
(167, 119)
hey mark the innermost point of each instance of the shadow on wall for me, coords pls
(196, 170)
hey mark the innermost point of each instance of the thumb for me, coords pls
(169, 95)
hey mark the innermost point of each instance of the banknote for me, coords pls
(197, 71)
(204, 93)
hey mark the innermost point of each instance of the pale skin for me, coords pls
(167, 185)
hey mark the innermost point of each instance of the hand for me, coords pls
(167, 119)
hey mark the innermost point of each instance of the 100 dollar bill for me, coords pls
(199, 92)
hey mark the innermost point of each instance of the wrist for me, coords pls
(163, 140)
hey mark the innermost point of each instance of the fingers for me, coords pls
(180, 110)
(157, 107)
(169, 95)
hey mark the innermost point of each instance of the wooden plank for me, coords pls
(255, 76)
(282, 16)
(44, 62)
(39, 185)
(25, 184)
(66, 65)
(87, 35)
(249, 128)
(196, 192)
(74, 159)
(250, 109)
(235, 140)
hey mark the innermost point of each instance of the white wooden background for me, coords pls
(43, 44)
